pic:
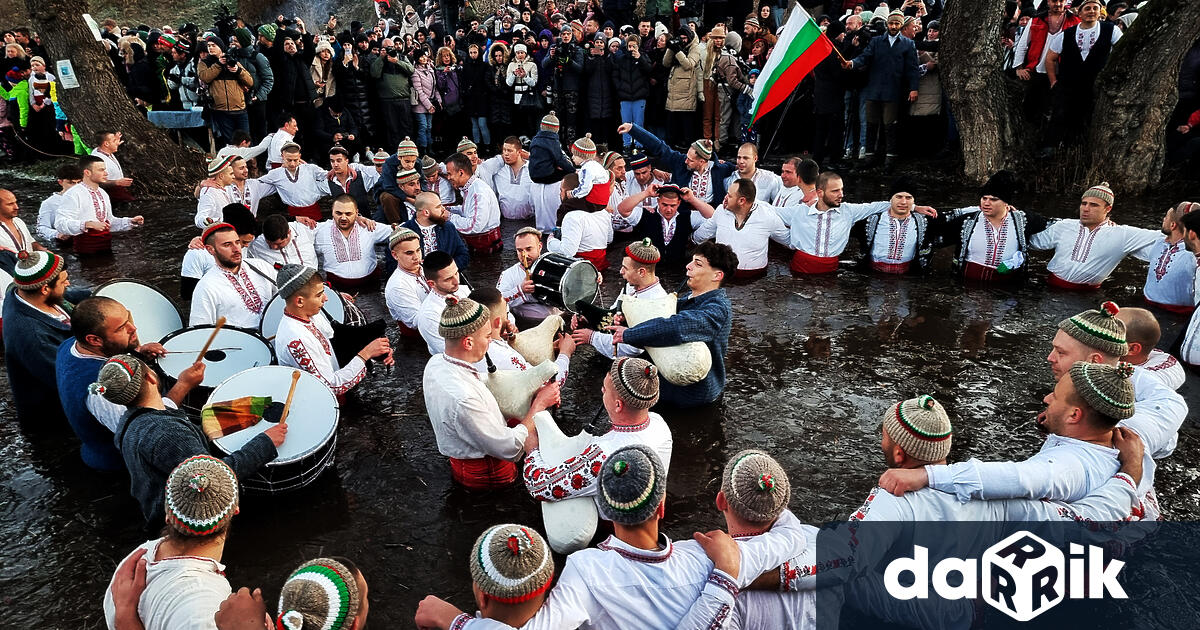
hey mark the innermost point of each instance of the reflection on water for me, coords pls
(813, 363)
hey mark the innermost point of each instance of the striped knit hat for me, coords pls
(290, 147)
(290, 279)
(704, 148)
(1099, 329)
(1101, 191)
(756, 486)
(201, 496)
(380, 157)
(465, 145)
(220, 163)
(643, 252)
(462, 317)
(584, 146)
(636, 160)
(429, 166)
(921, 427)
(120, 379)
(632, 485)
(511, 563)
(407, 148)
(550, 122)
(610, 158)
(321, 594)
(407, 177)
(35, 270)
(1105, 388)
(636, 382)
(399, 235)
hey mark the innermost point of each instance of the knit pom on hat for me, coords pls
(704, 148)
(407, 148)
(1100, 191)
(220, 163)
(461, 317)
(201, 496)
(380, 157)
(643, 252)
(756, 486)
(511, 563)
(635, 381)
(921, 427)
(632, 485)
(36, 270)
(584, 145)
(120, 379)
(1105, 388)
(320, 594)
(550, 122)
(1098, 329)
(429, 166)
(466, 145)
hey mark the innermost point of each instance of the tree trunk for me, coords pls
(1136, 94)
(986, 105)
(157, 165)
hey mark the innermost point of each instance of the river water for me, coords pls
(813, 363)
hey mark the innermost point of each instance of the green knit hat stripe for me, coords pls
(1095, 389)
(339, 583)
(1095, 331)
(907, 424)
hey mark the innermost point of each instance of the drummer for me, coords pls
(637, 268)
(347, 249)
(516, 285)
(197, 261)
(704, 314)
(442, 274)
(236, 288)
(587, 226)
(214, 192)
(466, 420)
(153, 439)
(304, 337)
(408, 286)
(284, 242)
(502, 355)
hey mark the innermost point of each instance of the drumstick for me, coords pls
(287, 406)
(216, 329)
(521, 257)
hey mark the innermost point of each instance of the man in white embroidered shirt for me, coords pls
(303, 338)
(347, 248)
(477, 215)
(235, 288)
(767, 183)
(516, 285)
(1142, 333)
(1172, 269)
(408, 286)
(467, 422)
(86, 211)
(284, 242)
(300, 185)
(745, 224)
(442, 273)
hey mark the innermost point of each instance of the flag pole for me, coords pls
(782, 116)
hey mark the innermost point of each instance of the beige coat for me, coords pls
(684, 79)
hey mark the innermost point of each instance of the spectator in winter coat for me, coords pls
(392, 73)
(474, 82)
(242, 48)
(354, 84)
(335, 125)
(683, 60)
(322, 72)
(449, 86)
(227, 83)
(182, 80)
(428, 101)
(499, 93)
(522, 77)
(601, 96)
(631, 82)
(294, 90)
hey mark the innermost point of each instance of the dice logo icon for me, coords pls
(1023, 576)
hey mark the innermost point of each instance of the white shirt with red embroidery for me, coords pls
(404, 293)
(1171, 274)
(466, 420)
(300, 249)
(240, 298)
(368, 174)
(81, 204)
(785, 609)
(519, 302)
(306, 345)
(17, 237)
(767, 184)
(505, 358)
(350, 256)
(46, 214)
(582, 231)
(111, 166)
(429, 318)
(578, 476)
(181, 591)
(989, 246)
(895, 240)
(1086, 256)
(602, 341)
(750, 240)
(1165, 368)
(826, 234)
(300, 189)
(441, 186)
(210, 207)
(249, 194)
(480, 210)
(513, 190)
(791, 196)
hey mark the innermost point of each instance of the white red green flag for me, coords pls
(801, 46)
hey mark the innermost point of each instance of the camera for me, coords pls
(675, 44)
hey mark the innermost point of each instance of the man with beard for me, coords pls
(477, 215)
(235, 289)
(103, 328)
(508, 175)
(1172, 271)
(244, 189)
(430, 224)
(347, 249)
(35, 325)
(516, 284)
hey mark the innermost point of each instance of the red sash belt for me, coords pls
(598, 258)
(405, 331)
(750, 274)
(312, 212)
(1179, 309)
(883, 267)
(118, 194)
(483, 474)
(980, 273)
(487, 242)
(804, 262)
(275, 165)
(1055, 281)
(93, 242)
(369, 282)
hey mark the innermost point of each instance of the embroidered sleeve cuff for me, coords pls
(1126, 478)
(460, 622)
(721, 585)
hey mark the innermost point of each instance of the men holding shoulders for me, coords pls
(743, 223)
(300, 185)
(244, 189)
(477, 217)
(798, 179)
(1172, 270)
(284, 242)
(639, 176)
(236, 288)
(669, 225)
(508, 175)
(991, 240)
(696, 170)
(346, 178)
(897, 241)
(767, 184)
(347, 248)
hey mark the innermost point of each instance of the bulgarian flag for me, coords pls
(801, 46)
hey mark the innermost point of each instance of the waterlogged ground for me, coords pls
(813, 363)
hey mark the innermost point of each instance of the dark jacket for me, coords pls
(387, 179)
(674, 254)
(601, 97)
(707, 319)
(565, 67)
(354, 86)
(892, 68)
(672, 161)
(954, 229)
(74, 375)
(867, 229)
(448, 239)
(328, 124)
(474, 83)
(260, 71)
(631, 77)
(547, 162)
(293, 79)
(31, 341)
(393, 79)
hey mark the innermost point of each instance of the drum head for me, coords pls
(154, 314)
(311, 421)
(578, 284)
(232, 351)
(334, 309)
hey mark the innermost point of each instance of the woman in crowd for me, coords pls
(354, 84)
(322, 72)
(522, 77)
(474, 77)
(500, 94)
(451, 123)
(428, 101)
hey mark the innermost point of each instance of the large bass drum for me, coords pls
(312, 427)
(154, 314)
(232, 351)
(268, 325)
(563, 281)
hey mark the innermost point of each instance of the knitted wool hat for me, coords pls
(35, 270)
(407, 177)
(636, 161)
(399, 235)
(717, 31)
(290, 147)
(896, 13)
(220, 163)
(643, 251)
(1001, 185)
(120, 379)
(201, 496)
(756, 486)
(1099, 329)
(636, 382)
(921, 427)
(465, 145)
(1105, 388)
(584, 146)
(267, 31)
(407, 148)
(462, 317)
(429, 166)
(213, 39)
(632, 485)
(751, 21)
(520, 48)
(243, 36)
(904, 184)
(703, 148)
(511, 563)
(290, 278)
(321, 594)
(609, 158)
(1101, 192)
(550, 122)
(380, 157)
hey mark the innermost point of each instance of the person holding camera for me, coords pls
(392, 73)
(683, 59)
(227, 83)
(564, 64)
